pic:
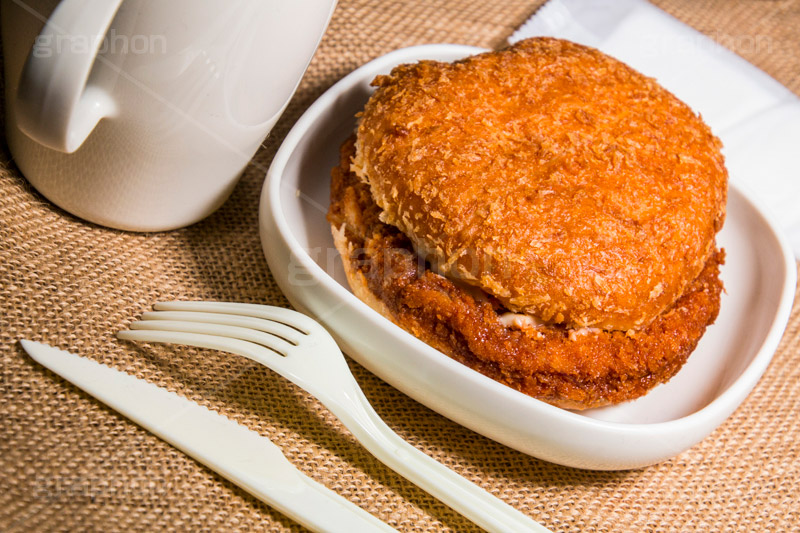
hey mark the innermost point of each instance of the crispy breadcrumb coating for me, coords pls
(550, 175)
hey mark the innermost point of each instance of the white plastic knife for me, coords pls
(244, 457)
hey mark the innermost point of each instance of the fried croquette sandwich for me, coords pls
(543, 214)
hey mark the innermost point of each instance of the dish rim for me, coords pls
(732, 395)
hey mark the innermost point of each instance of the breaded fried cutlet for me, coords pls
(544, 214)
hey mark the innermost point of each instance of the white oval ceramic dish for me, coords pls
(759, 276)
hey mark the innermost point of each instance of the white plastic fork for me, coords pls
(301, 350)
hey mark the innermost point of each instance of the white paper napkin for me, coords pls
(757, 118)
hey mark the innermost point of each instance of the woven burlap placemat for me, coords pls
(68, 463)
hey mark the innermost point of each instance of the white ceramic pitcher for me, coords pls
(141, 114)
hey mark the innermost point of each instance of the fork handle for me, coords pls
(470, 500)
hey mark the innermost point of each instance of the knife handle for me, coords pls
(238, 454)
(255, 464)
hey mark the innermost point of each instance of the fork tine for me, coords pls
(252, 351)
(262, 338)
(249, 322)
(279, 314)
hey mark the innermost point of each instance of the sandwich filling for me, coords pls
(570, 367)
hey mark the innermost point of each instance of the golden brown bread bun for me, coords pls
(571, 368)
(550, 175)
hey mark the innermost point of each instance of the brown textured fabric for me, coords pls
(69, 463)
